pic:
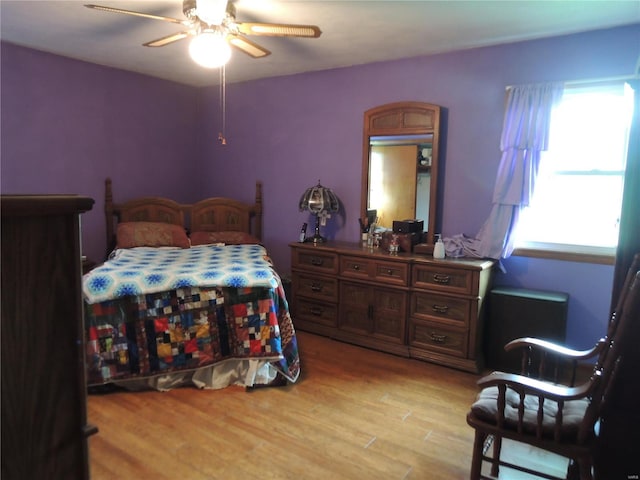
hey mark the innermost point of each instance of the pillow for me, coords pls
(151, 234)
(228, 238)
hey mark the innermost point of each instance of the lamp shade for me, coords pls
(212, 11)
(210, 49)
(319, 199)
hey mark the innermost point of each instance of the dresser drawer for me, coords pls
(438, 338)
(394, 273)
(434, 306)
(316, 312)
(315, 287)
(356, 267)
(324, 262)
(444, 279)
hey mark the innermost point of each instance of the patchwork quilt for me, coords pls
(153, 312)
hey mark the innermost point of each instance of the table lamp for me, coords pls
(321, 202)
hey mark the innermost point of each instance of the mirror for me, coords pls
(400, 164)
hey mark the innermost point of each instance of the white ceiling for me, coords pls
(353, 32)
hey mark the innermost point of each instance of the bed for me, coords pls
(187, 296)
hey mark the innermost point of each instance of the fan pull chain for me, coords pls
(223, 94)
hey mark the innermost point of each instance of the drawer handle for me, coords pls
(390, 272)
(316, 287)
(317, 262)
(440, 308)
(441, 278)
(356, 267)
(438, 338)
(317, 311)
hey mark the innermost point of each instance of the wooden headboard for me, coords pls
(215, 214)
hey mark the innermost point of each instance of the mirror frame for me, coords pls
(403, 118)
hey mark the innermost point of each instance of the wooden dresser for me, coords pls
(44, 421)
(410, 305)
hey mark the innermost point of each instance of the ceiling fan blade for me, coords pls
(247, 46)
(161, 42)
(139, 14)
(279, 30)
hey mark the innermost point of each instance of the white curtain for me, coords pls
(525, 134)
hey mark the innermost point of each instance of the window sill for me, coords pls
(569, 253)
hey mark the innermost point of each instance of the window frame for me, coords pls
(570, 252)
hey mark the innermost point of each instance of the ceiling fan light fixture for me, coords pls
(210, 49)
(213, 26)
(211, 12)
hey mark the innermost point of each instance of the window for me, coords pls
(578, 193)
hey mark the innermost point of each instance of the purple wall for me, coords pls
(291, 131)
(67, 125)
(86, 122)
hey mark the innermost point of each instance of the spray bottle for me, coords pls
(438, 249)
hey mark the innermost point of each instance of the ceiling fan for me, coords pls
(213, 25)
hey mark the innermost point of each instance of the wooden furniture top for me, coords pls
(41, 205)
(356, 248)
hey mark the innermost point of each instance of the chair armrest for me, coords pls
(554, 348)
(532, 386)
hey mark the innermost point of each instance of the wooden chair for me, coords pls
(552, 359)
(562, 419)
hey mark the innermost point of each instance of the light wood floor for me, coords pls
(353, 414)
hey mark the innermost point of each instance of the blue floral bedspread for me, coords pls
(144, 270)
